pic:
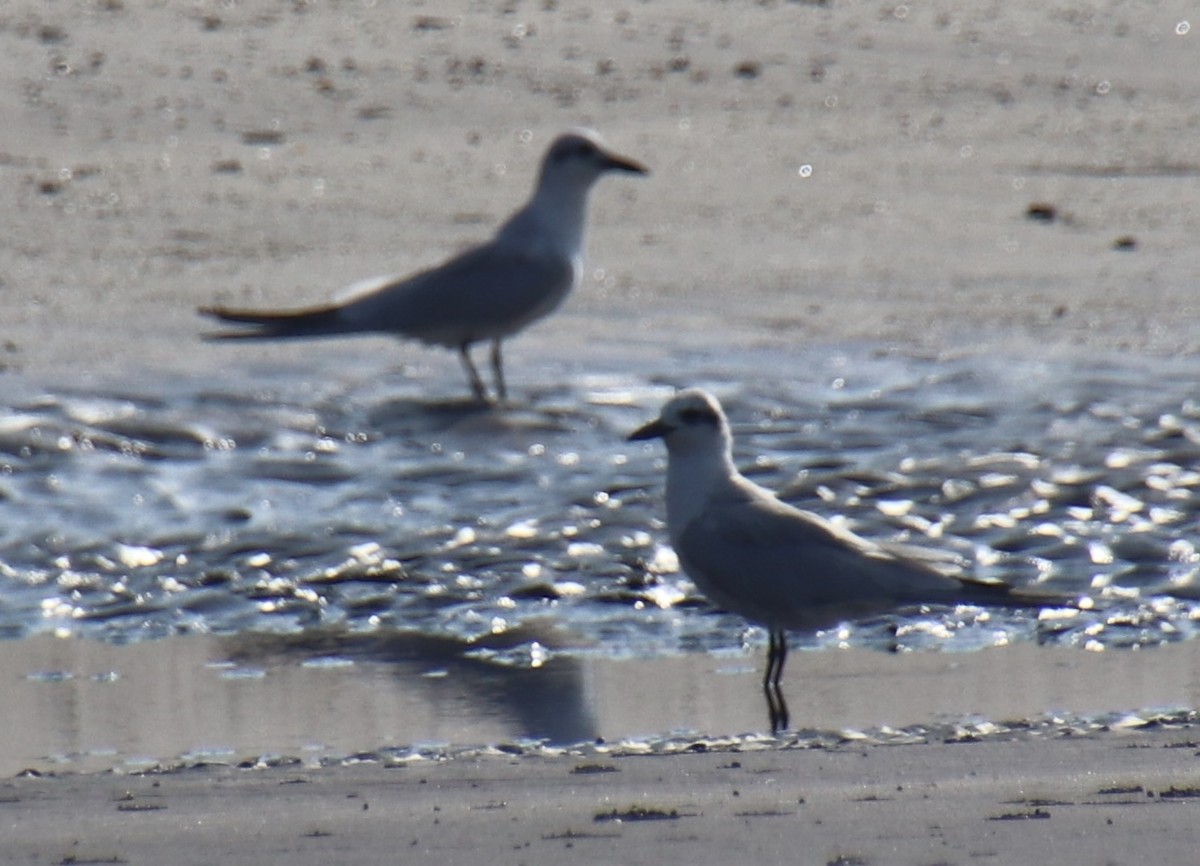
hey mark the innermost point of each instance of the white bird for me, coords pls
(488, 292)
(779, 566)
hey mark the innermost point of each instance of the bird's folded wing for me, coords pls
(484, 292)
(787, 557)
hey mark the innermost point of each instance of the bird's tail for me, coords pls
(314, 322)
(996, 594)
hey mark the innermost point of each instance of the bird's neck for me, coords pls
(693, 478)
(552, 223)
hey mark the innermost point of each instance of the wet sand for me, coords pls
(157, 159)
(174, 156)
(1072, 800)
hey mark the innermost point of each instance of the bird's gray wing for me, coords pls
(774, 563)
(488, 291)
(945, 562)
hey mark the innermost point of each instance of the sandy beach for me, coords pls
(821, 173)
(1017, 180)
(1107, 799)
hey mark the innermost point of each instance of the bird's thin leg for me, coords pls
(777, 708)
(777, 650)
(770, 671)
(464, 352)
(893, 637)
(498, 370)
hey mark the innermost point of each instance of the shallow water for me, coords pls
(253, 699)
(278, 502)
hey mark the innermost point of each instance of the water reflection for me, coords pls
(442, 679)
(79, 705)
(87, 705)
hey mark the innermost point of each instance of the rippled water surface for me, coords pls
(271, 503)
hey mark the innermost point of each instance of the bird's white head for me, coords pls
(553, 220)
(699, 446)
(578, 158)
(690, 422)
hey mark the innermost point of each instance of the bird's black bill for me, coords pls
(656, 429)
(622, 163)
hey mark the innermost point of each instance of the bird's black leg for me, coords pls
(498, 370)
(464, 352)
(893, 637)
(777, 651)
(777, 708)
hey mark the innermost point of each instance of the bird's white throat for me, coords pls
(694, 476)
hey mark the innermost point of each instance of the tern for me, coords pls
(486, 293)
(779, 566)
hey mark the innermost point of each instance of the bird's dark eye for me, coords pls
(698, 416)
(573, 150)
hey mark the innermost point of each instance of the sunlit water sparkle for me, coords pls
(273, 505)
